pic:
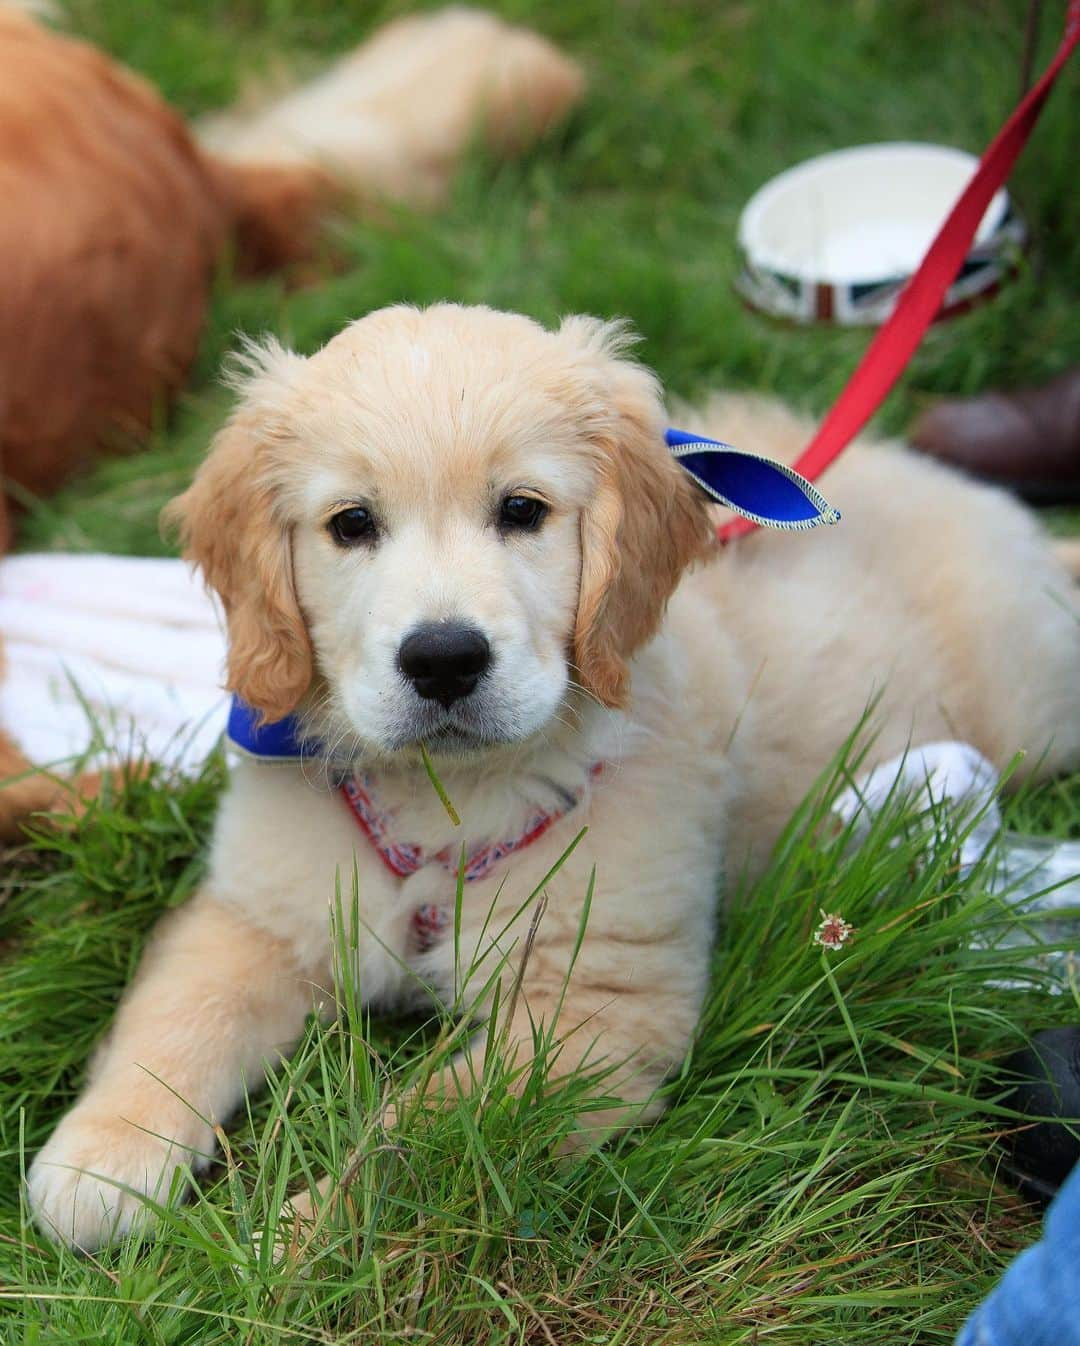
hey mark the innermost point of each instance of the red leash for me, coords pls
(896, 341)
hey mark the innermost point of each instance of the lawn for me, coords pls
(825, 1173)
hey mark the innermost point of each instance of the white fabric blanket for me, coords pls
(109, 654)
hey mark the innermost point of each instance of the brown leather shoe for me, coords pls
(1028, 441)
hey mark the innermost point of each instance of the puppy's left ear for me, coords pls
(647, 521)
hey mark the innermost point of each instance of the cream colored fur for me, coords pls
(712, 713)
(368, 121)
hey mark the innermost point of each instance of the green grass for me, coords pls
(825, 1173)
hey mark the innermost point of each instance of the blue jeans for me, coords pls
(1037, 1301)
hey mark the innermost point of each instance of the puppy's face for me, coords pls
(426, 531)
(435, 518)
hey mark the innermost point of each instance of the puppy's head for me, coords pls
(438, 524)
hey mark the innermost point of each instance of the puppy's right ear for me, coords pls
(647, 523)
(231, 528)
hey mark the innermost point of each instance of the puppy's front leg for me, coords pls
(215, 997)
(627, 1006)
(627, 1011)
(634, 1041)
(621, 992)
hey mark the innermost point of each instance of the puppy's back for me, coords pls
(940, 596)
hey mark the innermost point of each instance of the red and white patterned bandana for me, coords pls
(402, 859)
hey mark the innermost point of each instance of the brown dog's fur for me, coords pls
(23, 790)
(108, 258)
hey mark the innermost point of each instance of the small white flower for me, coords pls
(833, 932)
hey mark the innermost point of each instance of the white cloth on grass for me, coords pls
(112, 655)
(948, 773)
(1037, 878)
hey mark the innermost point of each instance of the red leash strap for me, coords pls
(896, 341)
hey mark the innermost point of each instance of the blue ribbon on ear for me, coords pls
(765, 492)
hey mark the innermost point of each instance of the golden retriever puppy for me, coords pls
(116, 215)
(453, 527)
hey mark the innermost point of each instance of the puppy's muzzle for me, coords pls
(443, 661)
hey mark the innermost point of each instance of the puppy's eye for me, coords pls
(521, 513)
(351, 526)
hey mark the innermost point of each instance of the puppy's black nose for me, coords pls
(444, 660)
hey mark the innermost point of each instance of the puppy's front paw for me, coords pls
(89, 1184)
(297, 1223)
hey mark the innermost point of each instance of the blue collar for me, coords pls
(275, 741)
(768, 493)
